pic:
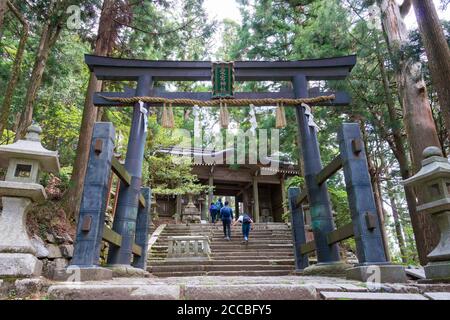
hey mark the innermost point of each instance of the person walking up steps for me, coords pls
(226, 215)
(213, 211)
(219, 206)
(247, 223)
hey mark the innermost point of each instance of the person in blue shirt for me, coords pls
(213, 211)
(219, 206)
(226, 215)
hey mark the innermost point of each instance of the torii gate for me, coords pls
(146, 72)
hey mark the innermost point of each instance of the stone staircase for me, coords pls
(269, 252)
(231, 288)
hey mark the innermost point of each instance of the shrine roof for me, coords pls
(212, 157)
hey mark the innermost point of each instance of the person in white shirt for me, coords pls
(247, 224)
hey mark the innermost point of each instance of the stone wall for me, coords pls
(19, 289)
(55, 251)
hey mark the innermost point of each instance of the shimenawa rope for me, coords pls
(229, 102)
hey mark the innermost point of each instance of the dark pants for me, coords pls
(213, 215)
(246, 230)
(226, 227)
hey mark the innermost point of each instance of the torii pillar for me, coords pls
(128, 202)
(328, 259)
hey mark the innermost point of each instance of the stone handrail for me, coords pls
(154, 237)
(188, 247)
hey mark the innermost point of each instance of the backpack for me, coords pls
(246, 219)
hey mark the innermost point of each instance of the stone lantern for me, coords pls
(154, 205)
(433, 183)
(24, 160)
(203, 206)
(191, 214)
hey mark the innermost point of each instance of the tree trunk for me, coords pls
(50, 34)
(394, 208)
(398, 148)
(100, 112)
(398, 227)
(3, 8)
(375, 181)
(79, 168)
(15, 70)
(103, 47)
(417, 117)
(438, 53)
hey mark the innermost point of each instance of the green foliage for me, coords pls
(296, 181)
(63, 175)
(7, 137)
(338, 197)
(61, 130)
(167, 174)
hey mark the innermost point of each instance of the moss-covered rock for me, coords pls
(327, 270)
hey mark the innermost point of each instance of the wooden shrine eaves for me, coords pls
(106, 68)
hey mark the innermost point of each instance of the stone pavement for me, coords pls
(244, 288)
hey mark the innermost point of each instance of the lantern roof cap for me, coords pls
(30, 148)
(434, 165)
(431, 152)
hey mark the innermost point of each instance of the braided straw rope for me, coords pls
(229, 102)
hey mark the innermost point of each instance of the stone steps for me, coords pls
(244, 255)
(252, 257)
(239, 231)
(252, 237)
(165, 235)
(236, 241)
(223, 267)
(241, 287)
(240, 252)
(269, 252)
(221, 248)
(236, 247)
(261, 261)
(326, 295)
(220, 231)
(236, 232)
(260, 240)
(221, 235)
(248, 248)
(217, 229)
(239, 238)
(224, 273)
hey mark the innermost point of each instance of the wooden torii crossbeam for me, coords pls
(115, 69)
